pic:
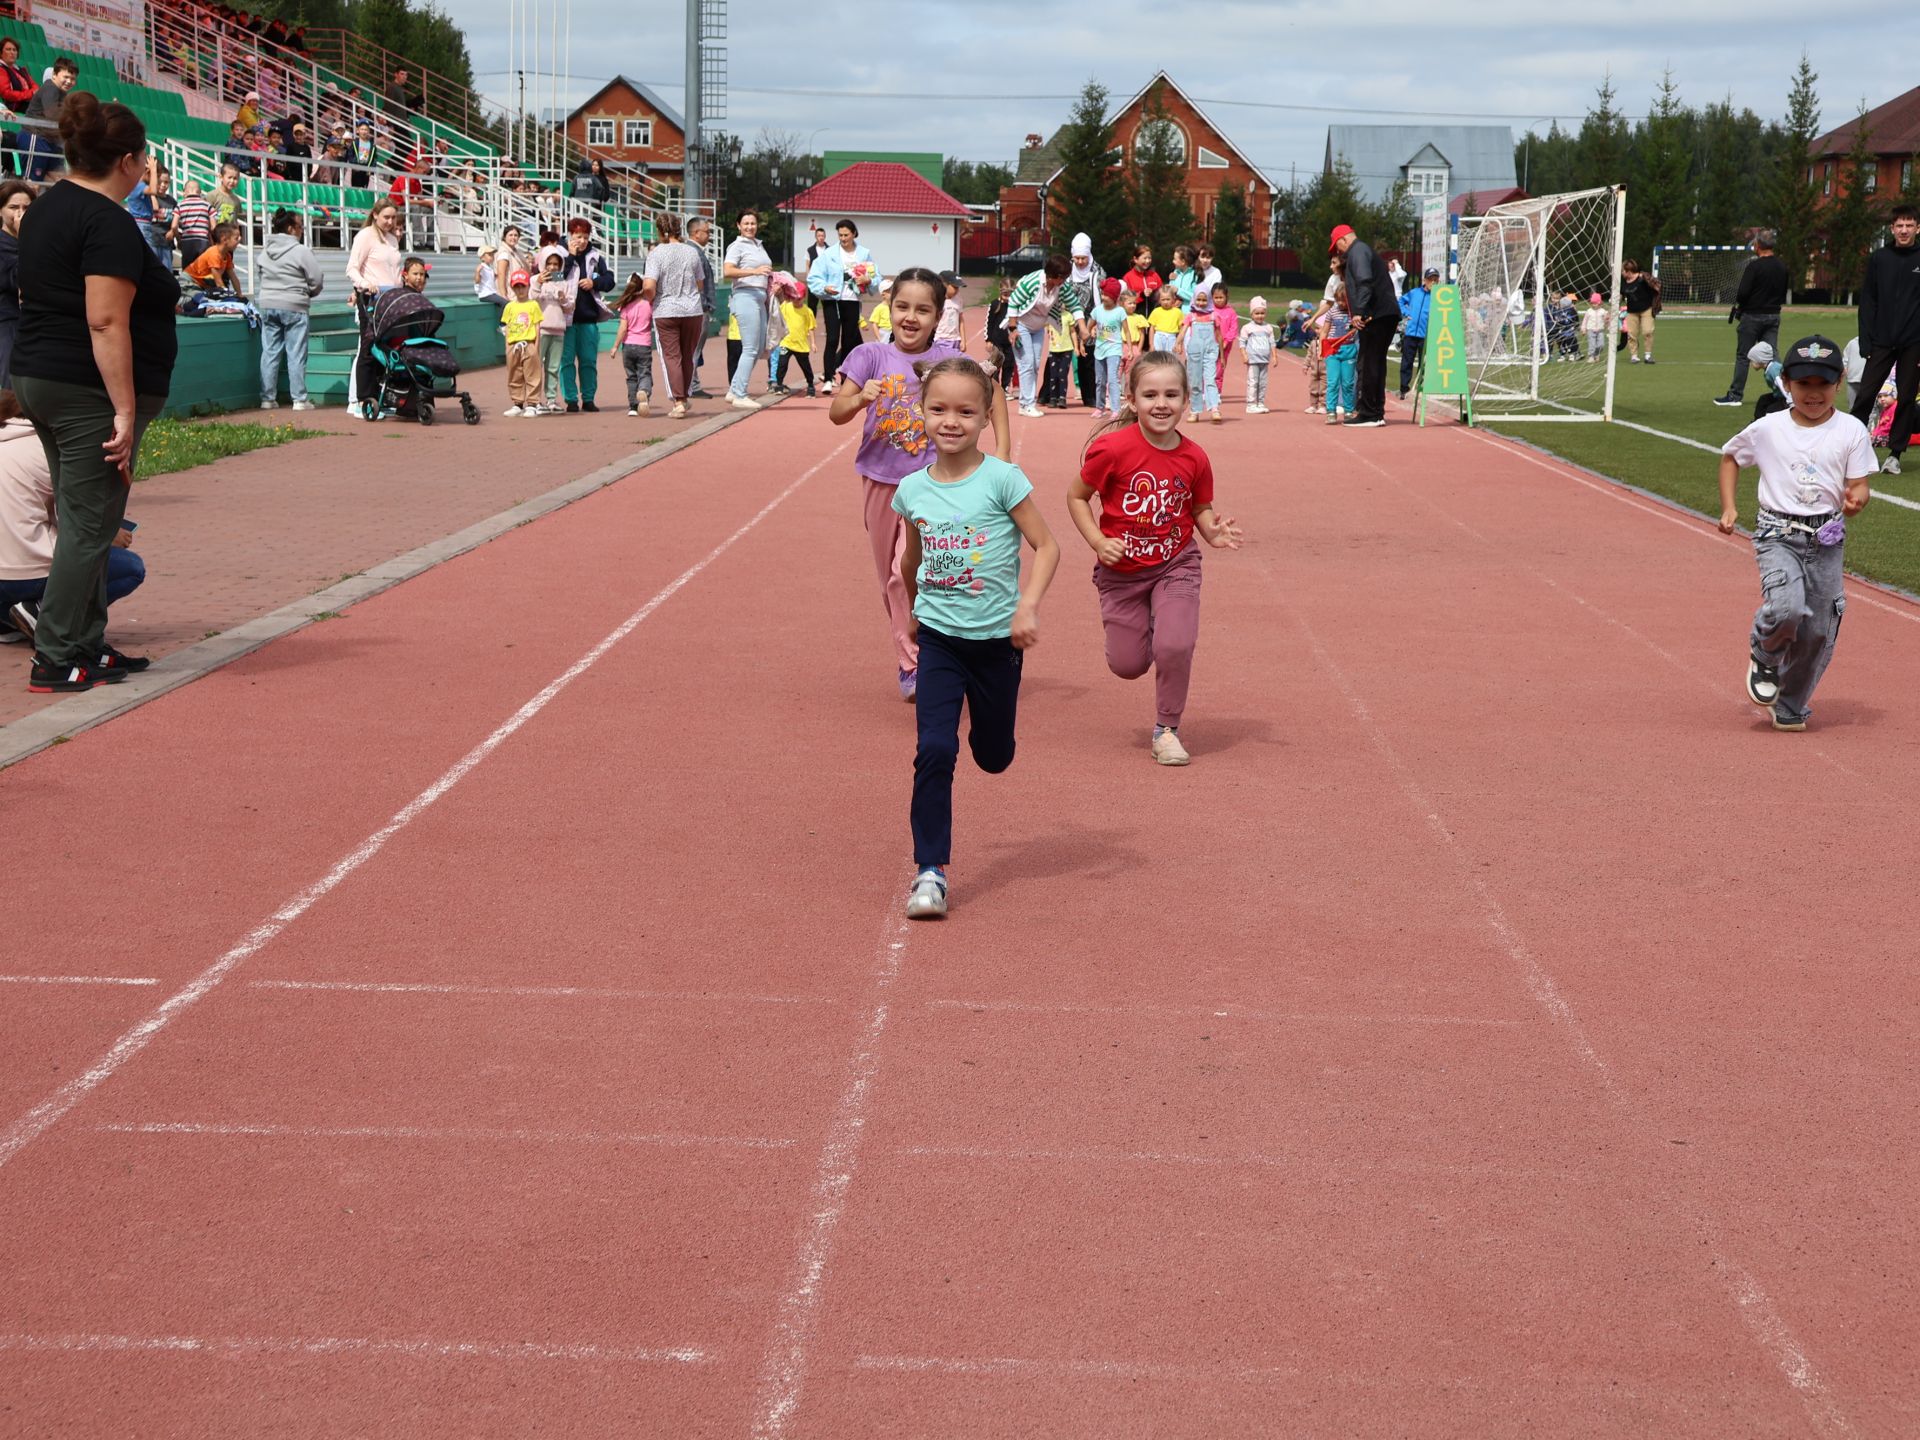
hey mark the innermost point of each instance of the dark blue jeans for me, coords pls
(986, 675)
(125, 571)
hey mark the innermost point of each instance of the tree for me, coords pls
(1794, 196)
(1661, 212)
(1547, 164)
(1602, 147)
(1157, 183)
(1335, 200)
(1232, 231)
(1853, 219)
(974, 182)
(1089, 192)
(1390, 225)
(1721, 185)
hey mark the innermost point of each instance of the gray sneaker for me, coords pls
(1890, 465)
(928, 898)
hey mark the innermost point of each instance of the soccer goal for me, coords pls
(1703, 275)
(1527, 274)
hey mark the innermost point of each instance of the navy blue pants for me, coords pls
(986, 675)
(125, 572)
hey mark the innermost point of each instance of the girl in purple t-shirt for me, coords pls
(881, 380)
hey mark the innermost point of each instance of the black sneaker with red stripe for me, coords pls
(47, 678)
(114, 664)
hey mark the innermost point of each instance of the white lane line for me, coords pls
(1210, 1012)
(227, 1347)
(1700, 526)
(37, 1121)
(429, 1132)
(1751, 1303)
(1304, 1166)
(783, 1369)
(539, 992)
(76, 980)
(1059, 1369)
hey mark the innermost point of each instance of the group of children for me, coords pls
(946, 522)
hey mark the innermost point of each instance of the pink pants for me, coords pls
(1152, 618)
(887, 534)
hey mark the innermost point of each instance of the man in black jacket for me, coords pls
(1374, 304)
(1763, 290)
(1890, 331)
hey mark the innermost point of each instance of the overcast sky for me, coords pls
(990, 71)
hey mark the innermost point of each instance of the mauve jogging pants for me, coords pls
(1152, 619)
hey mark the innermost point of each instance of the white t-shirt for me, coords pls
(1804, 469)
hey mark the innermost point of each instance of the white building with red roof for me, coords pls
(903, 218)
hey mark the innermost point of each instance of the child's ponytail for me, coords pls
(636, 285)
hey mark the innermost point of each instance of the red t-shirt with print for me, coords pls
(1147, 495)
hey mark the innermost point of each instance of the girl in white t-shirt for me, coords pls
(1815, 462)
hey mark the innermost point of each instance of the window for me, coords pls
(1870, 176)
(599, 132)
(1826, 179)
(1810, 175)
(1906, 175)
(1176, 137)
(637, 134)
(1426, 181)
(1208, 160)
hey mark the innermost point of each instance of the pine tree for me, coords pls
(1090, 193)
(1603, 142)
(1660, 212)
(1157, 183)
(1722, 182)
(1336, 201)
(1390, 224)
(1854, 218)
(1794, 195)
(1232, 232)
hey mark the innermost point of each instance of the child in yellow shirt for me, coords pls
(520, 319)
(878, 325)
(1165, 319)
(1053, 393)
(797, 344)
(1136, 336)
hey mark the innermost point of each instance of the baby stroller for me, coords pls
(415, 368)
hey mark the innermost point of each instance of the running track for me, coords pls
(1497, 1031)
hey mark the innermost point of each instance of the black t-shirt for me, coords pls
(1763, 285)
(1638, 295)
(69, 233)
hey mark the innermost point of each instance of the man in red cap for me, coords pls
(1375, 306)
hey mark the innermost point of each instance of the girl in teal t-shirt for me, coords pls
(966, 515)
(1109, 324)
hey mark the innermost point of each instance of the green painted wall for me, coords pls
(928, 167)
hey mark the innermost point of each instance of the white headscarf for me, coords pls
(1082, 252)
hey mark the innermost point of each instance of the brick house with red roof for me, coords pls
(630, 129)
(1893, 134)
(903, 218)
(1211, 160)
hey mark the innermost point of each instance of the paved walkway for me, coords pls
(227, 542)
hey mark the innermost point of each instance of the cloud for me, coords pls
(979, 71)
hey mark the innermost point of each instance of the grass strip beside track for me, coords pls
(171, 445)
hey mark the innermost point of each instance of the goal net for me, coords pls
(1528, 271)
(1707, 276)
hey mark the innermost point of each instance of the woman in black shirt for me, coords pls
(91, 367)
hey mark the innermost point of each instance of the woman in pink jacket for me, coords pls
(373, 265)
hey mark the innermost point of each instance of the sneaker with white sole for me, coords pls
(1167, 749)
(679, 411)
(24, 616)
(1794, 723)
(1890, 465)
(513, 410)
(1763, 684)
(1032, 412)
(742, 402)
(305, 405)
(927, 900)
(269, 404)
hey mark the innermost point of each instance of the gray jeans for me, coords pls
(1801, 605)
(1257, 383)
(1753, 329)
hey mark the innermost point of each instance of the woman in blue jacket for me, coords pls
(837, 278)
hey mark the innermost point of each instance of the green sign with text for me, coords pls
(1443, 364)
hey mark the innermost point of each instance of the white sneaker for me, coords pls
(1890, 465)
(1167, 749)
(305, 405)
(742, 402)
(928, 898)
(532, 412)
(632, 411)
(269, 404)
(513, 410)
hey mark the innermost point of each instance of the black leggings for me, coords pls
(843, 333)
(799, 357)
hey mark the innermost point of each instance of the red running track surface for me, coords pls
(1496, 1031)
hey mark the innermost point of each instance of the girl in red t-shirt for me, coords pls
(1156, 490)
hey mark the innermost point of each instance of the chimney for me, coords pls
(1033, 142)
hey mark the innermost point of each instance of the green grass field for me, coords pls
(1695, 362)
(172, 445)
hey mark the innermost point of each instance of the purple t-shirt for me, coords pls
(895, 443)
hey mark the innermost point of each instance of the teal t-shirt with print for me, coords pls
(1109, 331)
(969, 548)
